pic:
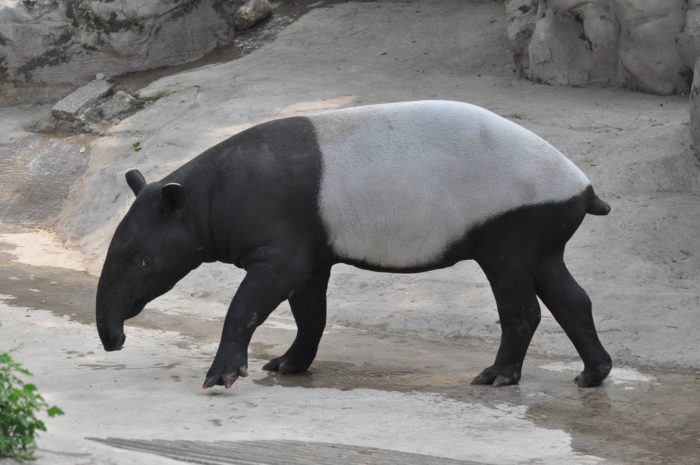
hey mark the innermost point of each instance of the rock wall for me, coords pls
(647, 45)
(63, 43)
(695, 110)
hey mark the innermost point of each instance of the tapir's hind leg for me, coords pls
(308, 306)
(571, 307)
(519, 315)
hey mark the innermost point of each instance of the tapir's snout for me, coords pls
(114, 343)
(113, 306)
(110, 323)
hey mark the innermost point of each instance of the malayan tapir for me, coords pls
(400, 187)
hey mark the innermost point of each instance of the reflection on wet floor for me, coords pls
(345, 376)
(634, 418)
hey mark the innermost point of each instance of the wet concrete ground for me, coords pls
(366, 389)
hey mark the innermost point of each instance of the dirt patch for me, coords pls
(41, 248)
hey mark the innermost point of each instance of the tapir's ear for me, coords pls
(135, 180)
(173, 196)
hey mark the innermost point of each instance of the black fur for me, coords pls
(135, 180)
(252, 200)
(598, 206)
(521, 253)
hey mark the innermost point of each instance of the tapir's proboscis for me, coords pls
(401, 187)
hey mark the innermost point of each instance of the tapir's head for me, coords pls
(154, 246)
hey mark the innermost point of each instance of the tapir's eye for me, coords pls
(145, 261)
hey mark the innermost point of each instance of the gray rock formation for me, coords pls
(695, 109)
(251, 13)
(89, 106)
(120, 103)
(73, 105)
(648, 45)
(64, 43)
(244, 14)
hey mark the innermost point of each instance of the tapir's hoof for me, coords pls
(498, 376)
(593, 377)
(225, 380)
(286, 365)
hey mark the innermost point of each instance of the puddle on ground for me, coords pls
(65, 292)
(346, 376)
(618, 376)
(71, 294)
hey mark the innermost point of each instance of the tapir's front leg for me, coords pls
(268, 282)
(308, 306)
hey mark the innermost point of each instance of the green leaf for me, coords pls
(136, 146)
(54, 411)
(29, 388)
(20, 403)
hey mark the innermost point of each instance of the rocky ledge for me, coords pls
(60, 44)
(649, 45)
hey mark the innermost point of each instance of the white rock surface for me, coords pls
(648, 45)
(67, 43)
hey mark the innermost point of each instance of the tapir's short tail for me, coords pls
(597, 206)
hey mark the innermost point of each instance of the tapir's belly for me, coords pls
(401, 183)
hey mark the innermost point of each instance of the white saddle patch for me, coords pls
(402, 182)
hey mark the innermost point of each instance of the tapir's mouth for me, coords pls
(136, 308)
(116, 342)
(117, 346)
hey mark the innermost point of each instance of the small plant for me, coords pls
(158, 95)
(20, 404)
(136, 146)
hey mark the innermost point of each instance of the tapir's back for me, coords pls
(402, 182)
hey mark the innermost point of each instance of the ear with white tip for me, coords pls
(173, 196)
(135, 180)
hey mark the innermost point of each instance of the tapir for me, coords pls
(400, 187)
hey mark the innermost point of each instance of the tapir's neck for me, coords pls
(198, 187)
(206, 246)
